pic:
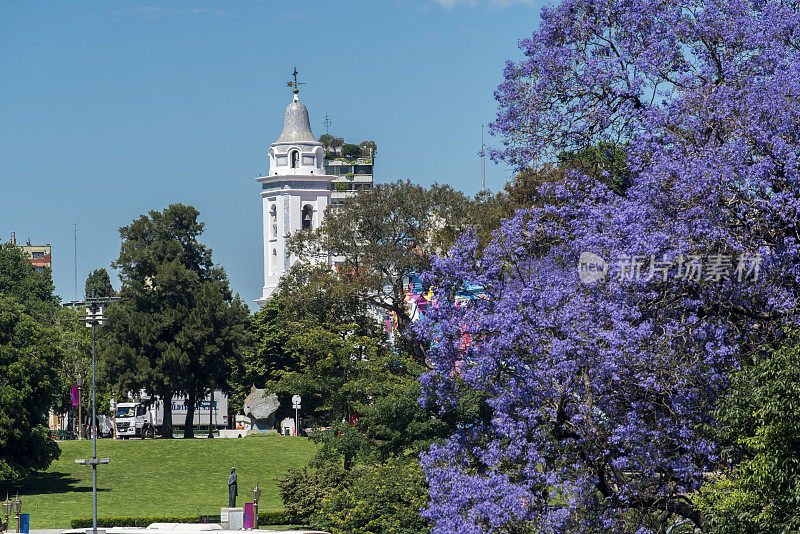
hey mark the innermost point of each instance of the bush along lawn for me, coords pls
(266, 517)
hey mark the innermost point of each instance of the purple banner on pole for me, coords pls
(75, 399)
(248, 515)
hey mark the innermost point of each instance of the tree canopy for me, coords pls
(99, 284)
(30, 361)
(597, 396)
(178, 328)
(760, 425)
(382, 235)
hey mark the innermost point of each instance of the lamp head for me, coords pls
(7, 507)
(256, 494)
(16, 504)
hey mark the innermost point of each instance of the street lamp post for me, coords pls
(6, 512)
(256, 496)
(94, 317)
(16, 506)
(80, 414)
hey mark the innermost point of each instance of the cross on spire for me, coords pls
(295, 84)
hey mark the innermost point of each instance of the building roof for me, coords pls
(296, 126)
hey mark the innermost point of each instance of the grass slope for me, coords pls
(160, 477)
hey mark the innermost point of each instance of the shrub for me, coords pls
(383, 498)
(265, 517)
(272, 517)
(302, 490)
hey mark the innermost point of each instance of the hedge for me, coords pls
(265, 517)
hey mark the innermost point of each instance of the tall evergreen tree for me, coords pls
(29, 366)
(178, 329)
(99, 284)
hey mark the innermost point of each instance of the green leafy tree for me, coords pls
(351, 151)
(325, 139)
(760, 420)
(178, 328)
(368, 148)
(29, 365)
(99, 284)
(32, 289)
(75, 347)
(326, 335)
(30, 359)
(382, 235)
(316, 337)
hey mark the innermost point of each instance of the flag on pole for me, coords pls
(75, 398)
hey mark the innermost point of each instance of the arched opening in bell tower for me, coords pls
(308, 215)
(294, 159)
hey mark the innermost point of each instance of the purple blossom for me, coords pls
(601, 395)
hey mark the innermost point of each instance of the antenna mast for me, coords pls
(75, 255)
(483, 162)
(327, 124)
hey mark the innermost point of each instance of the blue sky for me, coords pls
(112, 109)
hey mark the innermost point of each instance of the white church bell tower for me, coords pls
(295, 192)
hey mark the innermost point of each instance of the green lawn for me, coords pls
(160, 477)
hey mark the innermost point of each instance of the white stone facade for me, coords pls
(295, 192)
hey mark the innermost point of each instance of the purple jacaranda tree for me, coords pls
(595, 398)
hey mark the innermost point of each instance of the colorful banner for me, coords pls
(248, 515)
(76, 400)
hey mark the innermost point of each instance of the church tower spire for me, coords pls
(295, 192)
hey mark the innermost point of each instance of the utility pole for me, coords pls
(94, 317)
(75, 256)
(483, 162)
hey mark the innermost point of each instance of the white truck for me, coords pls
(137, 419)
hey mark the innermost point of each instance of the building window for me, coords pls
(294, 158)
(273, 219)
(308, 214)
(274, 259)
(38, 255)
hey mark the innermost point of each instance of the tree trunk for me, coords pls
(166, 429)
(188, 424)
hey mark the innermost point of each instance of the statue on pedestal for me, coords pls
(232, 489)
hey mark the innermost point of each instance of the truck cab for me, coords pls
(132, 419)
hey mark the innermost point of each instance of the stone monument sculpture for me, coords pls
(233, 490)
(261, 408)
